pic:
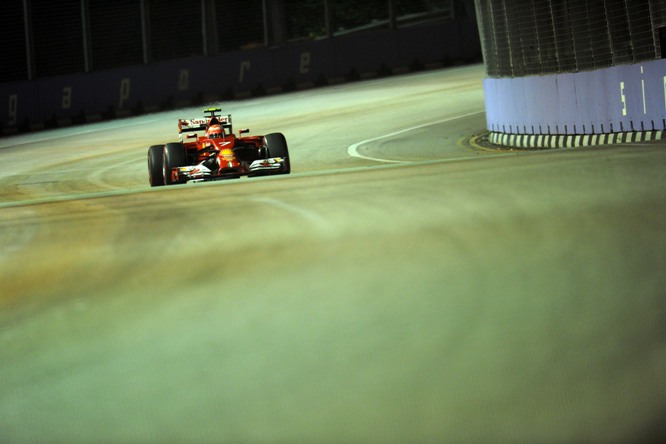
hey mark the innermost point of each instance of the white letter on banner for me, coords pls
(124, 91)
(67, 97)
(183, 80)
(13, 109)
(664, 93)
(305, 63)
(643, 89)
(244, 66)
(624, 100)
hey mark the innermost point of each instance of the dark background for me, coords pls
(45, 38)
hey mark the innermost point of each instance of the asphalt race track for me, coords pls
(401, 285)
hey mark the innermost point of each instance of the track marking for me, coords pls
(475, 144)
(352, 150)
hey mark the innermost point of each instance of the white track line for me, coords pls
(352, 150)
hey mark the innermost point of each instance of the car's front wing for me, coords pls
(199, 173)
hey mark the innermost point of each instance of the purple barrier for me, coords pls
(20, 104)
(367, 54)
(119, 92)
(122, 90)
(63, 97)
(617, 99)
(242, 70)
(305, 62)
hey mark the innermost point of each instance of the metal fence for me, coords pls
(529, 37)
(45, 38)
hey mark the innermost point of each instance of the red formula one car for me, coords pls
(216, 154)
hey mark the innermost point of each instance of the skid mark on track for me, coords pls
(313, 218)
(14, 238)
(97, 176)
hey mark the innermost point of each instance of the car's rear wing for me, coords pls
(186, 125)
(211, 118)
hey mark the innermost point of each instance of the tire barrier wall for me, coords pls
(619, 99)
(80, 98)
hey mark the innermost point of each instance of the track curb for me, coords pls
(552, 141)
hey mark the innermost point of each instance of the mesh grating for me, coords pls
(531, 37)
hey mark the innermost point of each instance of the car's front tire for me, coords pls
(174, 156)
(156, 165)
(276, 145)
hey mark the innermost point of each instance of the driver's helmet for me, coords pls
(215, 131)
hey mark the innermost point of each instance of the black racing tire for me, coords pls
(276, 145)
(174, 156)
(156, 165)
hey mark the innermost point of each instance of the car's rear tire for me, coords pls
(174, 156)
(156, 165)
(276, 145)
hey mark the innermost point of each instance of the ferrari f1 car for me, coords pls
(208, 150)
